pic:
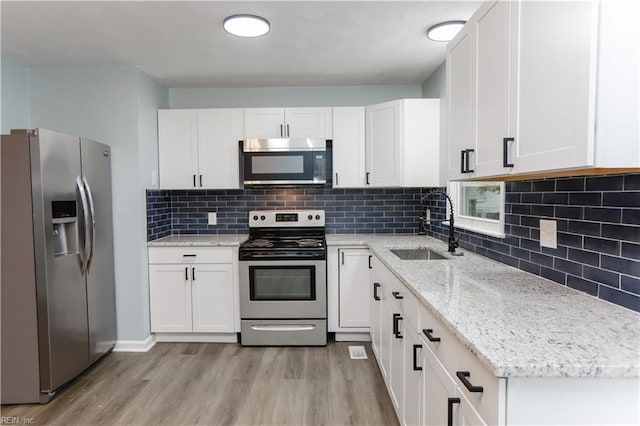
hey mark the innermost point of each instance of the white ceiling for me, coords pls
(182, 43)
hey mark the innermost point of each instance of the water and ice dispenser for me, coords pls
(65, 227)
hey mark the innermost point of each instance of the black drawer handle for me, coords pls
(396, 295)
(450, 403)
(189, 255)
(466, 167)
(186, 274)
(370, 267)
(429, 333)
(367, 177)
(193, 274)
(463, 377)
(415, 357)
(396, 327)
(463, 154)
(376, 286)
(505, 152)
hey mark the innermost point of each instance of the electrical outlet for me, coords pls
(548, 233)
(428, 218)
(213, 218)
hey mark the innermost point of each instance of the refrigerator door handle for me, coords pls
(93, 222)
(85, 223)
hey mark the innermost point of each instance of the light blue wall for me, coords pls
(15, 97)
(151, 96)
(321, 96)
(111, 105)
(436, 87)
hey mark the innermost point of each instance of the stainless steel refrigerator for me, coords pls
(58, 295)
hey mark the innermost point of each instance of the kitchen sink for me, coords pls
(421, 253)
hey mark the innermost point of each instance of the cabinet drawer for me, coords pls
(440, 340)
(485, 402)
(190, 255)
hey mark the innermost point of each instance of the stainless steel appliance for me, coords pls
(284, 161)
(283, 279)
(58, 296)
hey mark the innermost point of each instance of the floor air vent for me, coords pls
(357, 352)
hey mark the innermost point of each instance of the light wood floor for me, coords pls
(222, 384)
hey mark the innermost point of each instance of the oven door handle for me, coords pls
(283, 327)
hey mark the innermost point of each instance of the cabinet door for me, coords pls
(354, 287)
(495, 86)
(178, 148)
(213, 298)
(170, 294)
(264, 123)
(348, 147)
(375, 306)
(397, 372)
(413, 378)
(386, 323)
(467, 415)
(382, 136)
(305, 123)
(461, 94)
(438, 387)
(219, 131)
(556, 86)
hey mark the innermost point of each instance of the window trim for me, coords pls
(490, 227)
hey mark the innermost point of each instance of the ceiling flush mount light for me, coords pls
(246, 25)
(445, 31)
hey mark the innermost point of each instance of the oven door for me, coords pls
(283, 289)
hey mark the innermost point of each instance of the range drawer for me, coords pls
(190, 255)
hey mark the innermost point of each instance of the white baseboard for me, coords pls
(197, 337)
(135, 345)
(353, 337)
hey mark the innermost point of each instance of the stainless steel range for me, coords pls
(283, 279)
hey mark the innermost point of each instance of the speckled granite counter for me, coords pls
(199, 240)
(518, 324)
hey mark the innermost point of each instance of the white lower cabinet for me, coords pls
(192, 290)
(413, 383)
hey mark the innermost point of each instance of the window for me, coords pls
(479, 206)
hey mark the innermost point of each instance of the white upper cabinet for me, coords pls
(178, 148)
(348, 147)
(523, 95)
(287, 123)
(198, 149)
(402, 141)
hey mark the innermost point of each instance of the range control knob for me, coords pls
(310, 217)
(317, 217)
(255, 217)
(262, 217)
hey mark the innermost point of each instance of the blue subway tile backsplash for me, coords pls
(598, 221)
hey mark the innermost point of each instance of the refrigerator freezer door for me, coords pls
(96, 171)
(61, 288)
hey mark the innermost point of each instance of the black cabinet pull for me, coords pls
(194, 181)
(193, 274)
(376, 286)
(367, 176)
(396, 295)
(415, 357)
(463, 377)
(186, 274)
(450, 403)
(337, 179)
(281, 135)
(370, 267)
(342, 257)
(200, 180)
(463, 153)
(466, 161)
(189, 255)
(396, 327)
(428, 332)
(505, 152)
(288, 131)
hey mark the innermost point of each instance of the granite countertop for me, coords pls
(229, 240)
(517, 324)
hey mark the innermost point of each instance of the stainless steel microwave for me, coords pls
(285, 161)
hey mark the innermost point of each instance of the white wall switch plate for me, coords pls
(213, 218)
(548, 233)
